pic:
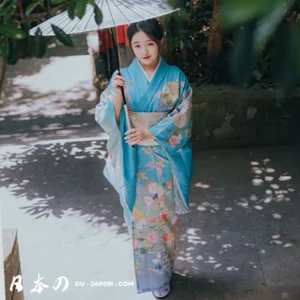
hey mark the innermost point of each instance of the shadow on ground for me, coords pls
(48, 98)
(241, 240)
(59, 177)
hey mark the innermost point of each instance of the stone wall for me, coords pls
(12, 265)
(226, 116)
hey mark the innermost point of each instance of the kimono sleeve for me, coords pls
(174, 131)
(105, 112)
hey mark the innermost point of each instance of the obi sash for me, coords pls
(145, 120)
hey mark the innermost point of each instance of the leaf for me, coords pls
(98, 15)
(71, 9)
(187, 43)
(4, 49)
(12, 31)
(285, 66)
(13, 53)
(177, 3)
(268, 24)
(242, 59)
(62, 36)
(172, 3)
(173, 26)
(7, 5)
(26, 45)
(237, 12)
(55, 2)
(92, 2)
(80, 8)
(40, 46)
(31, 7)
(296, 37)
(7, 9)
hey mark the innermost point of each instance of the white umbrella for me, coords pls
(115, 13)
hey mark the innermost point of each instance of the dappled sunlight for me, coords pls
(270, 187)
(61, 86)
(67, 126)
(208, 206)
(202, 185)
(58, 70)
(244, 223)
(50, 178)
(209, 256)
(60, 203)
(278, 187)
(277, 239)
(52, 246)
(48, 98)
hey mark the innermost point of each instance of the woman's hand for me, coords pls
(135, 136)
(117, 82)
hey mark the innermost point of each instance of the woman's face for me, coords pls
(144, 49)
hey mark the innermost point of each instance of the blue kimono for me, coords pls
(152, 178)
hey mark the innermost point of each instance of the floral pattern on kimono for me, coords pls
(152, 181)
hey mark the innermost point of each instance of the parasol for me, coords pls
(115, 13)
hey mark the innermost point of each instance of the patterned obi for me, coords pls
(145, 120)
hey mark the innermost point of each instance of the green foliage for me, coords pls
(178, 3)
(261, 42)
(275, 23)
(4, 49)
(242, 57)
(55, 2)
(98, 15)
(7, 9)
(286, 52)
(40, 46)
(12, 31)
(15, 23)
(13, 53)
(191, 55)
(176, 32)
(62, 36)
(33, 5)
(71, 9)
(238, 12)
(80, 8)
(14, 27)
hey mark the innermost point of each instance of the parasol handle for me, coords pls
(116, 59)
(127, 116)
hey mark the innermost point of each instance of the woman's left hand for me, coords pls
(135, 136)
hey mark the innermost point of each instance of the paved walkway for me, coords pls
(46, 99)
(241, 240)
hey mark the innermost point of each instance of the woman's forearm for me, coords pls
(117, 106)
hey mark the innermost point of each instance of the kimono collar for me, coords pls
(149, 78)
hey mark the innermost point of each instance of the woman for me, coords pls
(149, 165)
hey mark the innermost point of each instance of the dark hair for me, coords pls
(151, 27)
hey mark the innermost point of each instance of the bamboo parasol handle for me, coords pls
(116, 59)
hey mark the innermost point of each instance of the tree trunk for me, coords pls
(2, 74)
(215, 38)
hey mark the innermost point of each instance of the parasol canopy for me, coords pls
(115, 13)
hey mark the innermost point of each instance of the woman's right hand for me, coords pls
(117, 82)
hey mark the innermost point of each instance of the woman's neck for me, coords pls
(151, 68)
